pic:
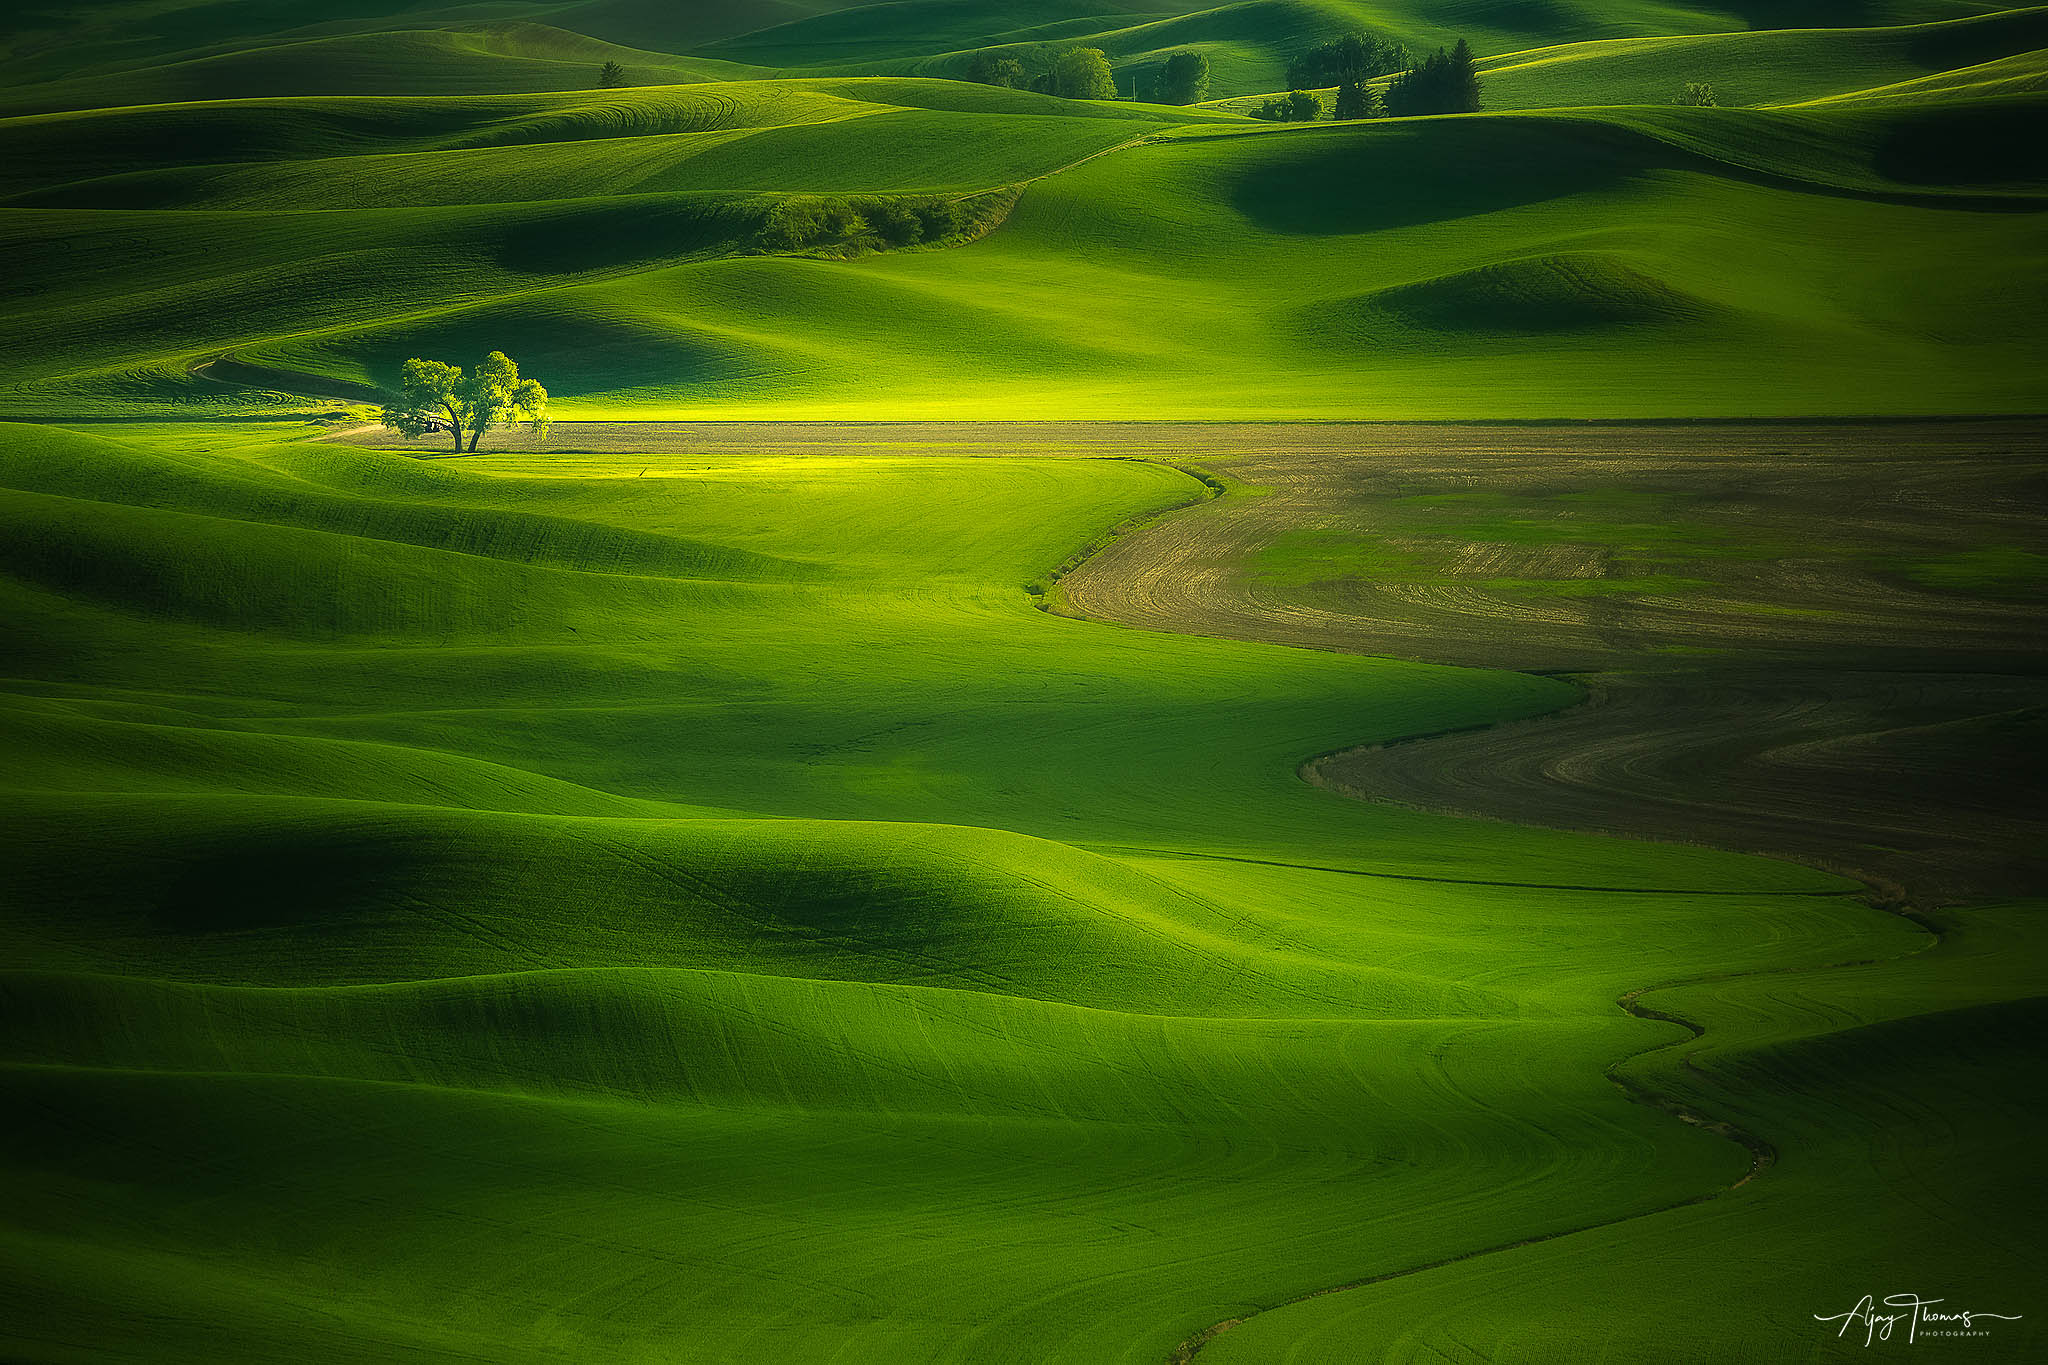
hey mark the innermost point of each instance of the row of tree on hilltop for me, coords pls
(1444, 82)
(1083, 73)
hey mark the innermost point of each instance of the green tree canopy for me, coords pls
(1464, 79)
(1082, 73)
(1356, 100)
(1356, 57)
(1444, 83)
(432, 395)
(611, 76)
(988, 68)
(1296, 106)
(1186, 80)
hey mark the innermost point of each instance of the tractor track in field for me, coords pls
(1015, 189)
(231, 372)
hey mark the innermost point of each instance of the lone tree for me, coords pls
(432, 396)
(1082, 73)
(1698, 95)
(611, 76)
(1186, 80)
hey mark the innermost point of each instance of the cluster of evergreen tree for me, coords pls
(1445, 83)
(1357, 100)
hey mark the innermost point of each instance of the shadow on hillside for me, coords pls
(583, 236)
(1407, 174)
(1966, 145)
(278, 879)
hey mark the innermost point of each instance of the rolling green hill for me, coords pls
(1207, 268)
(1758, 67)
(1249, 44)
(426, 184)
(130, 51)
(492, 60)
(694, 905)
(688, 904)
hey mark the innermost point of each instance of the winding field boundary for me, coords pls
(1762, 1155)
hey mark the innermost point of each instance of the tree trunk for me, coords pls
(476, 432)
(454, 425)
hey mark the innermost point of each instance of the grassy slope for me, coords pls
(62, 58)
(509, 58)
(1730, 261)
(1881, 1086)
(695, 908)
(355, 267)
(1257, 274)
(1249, 44)
(557, 904)
(1764, 67)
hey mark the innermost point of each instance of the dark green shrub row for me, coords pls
(867, 223)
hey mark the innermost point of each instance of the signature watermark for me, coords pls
(1908, 1318)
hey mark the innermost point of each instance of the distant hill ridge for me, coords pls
(327, 199)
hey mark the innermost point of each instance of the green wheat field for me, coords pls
(1107, 729)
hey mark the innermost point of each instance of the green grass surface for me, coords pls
(696, 907)
(1881, 1089)
(437, 185)
(1760, 67)
(414, 62)
(1717, 261)
(693, 907)
(1249, 45)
